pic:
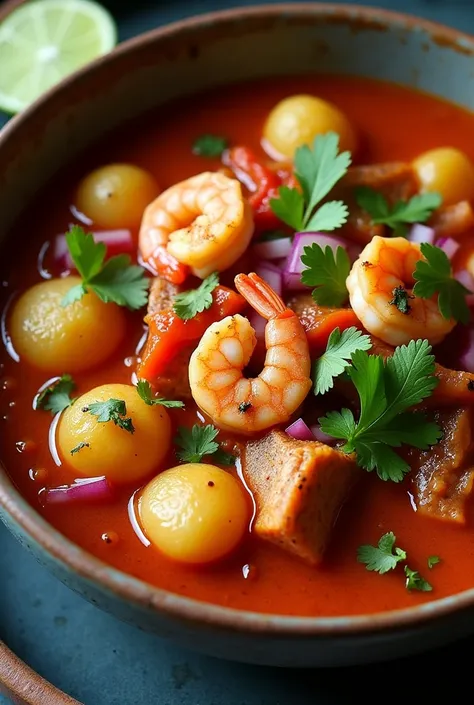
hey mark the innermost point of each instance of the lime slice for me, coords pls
(43, 41)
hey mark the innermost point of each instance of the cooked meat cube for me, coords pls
(299, 488)
(452, 221)
(443, 477)
(162, 293)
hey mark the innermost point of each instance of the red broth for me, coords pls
(396, 124)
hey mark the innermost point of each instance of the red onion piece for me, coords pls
(299, 430)
(273, 249)
(89, 489)
(118, 242)
(294, 266)
(272, 275)
(448, 245)
(466, 360)
(421, 233)
(321, 436)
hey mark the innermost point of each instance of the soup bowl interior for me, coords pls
(181, 60)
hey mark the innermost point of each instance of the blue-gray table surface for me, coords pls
(100, 661)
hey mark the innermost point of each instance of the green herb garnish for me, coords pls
(79, 447)
(433, 560)
(115, 281)
(145, 393)
(417, 210)
(336, 357)
(57, 396)
(383, 557)
(209, 146)
(414, 581)
(196, 442)
(317, 171)
(387, 389)
(114, 410)
(400, 299)
(327, 273)
(189, 303)
(434, 275)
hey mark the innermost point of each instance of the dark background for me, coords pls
(101, 661)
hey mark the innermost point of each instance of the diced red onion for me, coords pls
(294, 266)
(466, 280)
(272, 275)
(321, 436)
(90, 489)
(118, 242)
(299, 430)
(448, 245)
(273, 249)
(421, 233)
(466, 360)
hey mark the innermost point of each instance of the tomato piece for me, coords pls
(168, 334)
(319, 324)
(262, 182)
(168, 266)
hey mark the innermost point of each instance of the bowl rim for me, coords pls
(133, 590)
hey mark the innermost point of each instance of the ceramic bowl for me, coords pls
(183, 58)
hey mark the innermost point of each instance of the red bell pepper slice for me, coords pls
(168, 334)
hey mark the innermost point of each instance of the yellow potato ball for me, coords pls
(297, 120)
(60, 338)
(194, 513)
(116, 195)
(111, 450)
(448, 171)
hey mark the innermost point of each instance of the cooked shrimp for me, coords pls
(203, 223)
(385, 265)
(216, 367)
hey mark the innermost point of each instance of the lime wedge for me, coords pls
(43, 41)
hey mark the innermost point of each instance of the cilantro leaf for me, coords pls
(381, 558)
(433, 560)
(416, 210)
(145, 393)
(414, 581)
(327, 273)
(317, 171)
(289, 207)
(335, 358)
(115, 281)
(400, 299)
(209, 146)
(387, 389)
(189, 303)
(196, 442)
(434, 275)
(79, 447)
(57, 396)
(114, 410)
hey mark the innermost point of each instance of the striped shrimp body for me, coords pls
(385, 265)
(200, 225)
(218, 385)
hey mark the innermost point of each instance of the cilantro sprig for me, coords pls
(114, 410)
(196, 442)
(327, 273)
(383, 557)
(334, 360)
(57, 396)
(386, 556)
(145, 393)
(317, 171)
(189, 303)
(209, 146)
(114, 280)
(387, 389)
(434, 275)
(416, 210)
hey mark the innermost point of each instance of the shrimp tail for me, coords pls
(260, 296)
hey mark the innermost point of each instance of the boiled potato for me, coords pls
(297, 120)
(64, 338)
(194, 513)
(448, 171)
(112, 451)
(116, 195)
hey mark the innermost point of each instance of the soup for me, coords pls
(168, 464)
